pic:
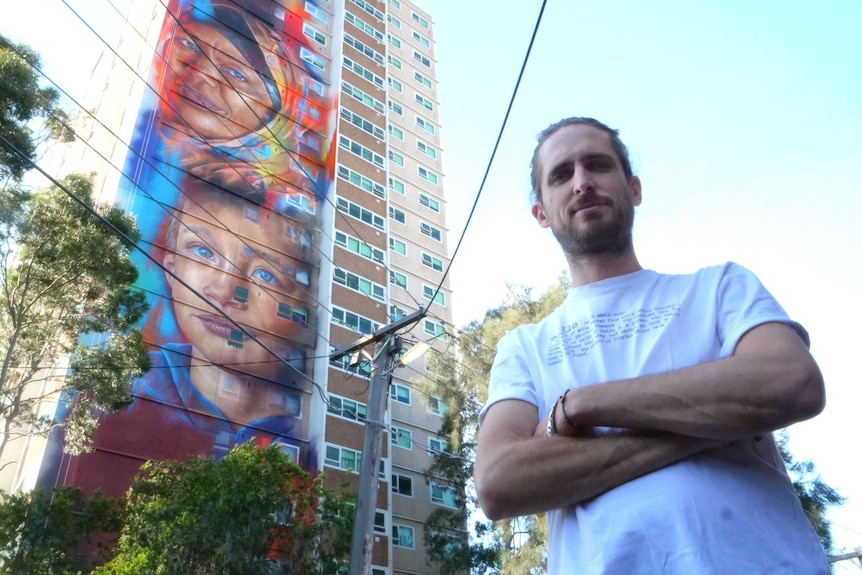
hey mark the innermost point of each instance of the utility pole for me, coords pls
(857, 554)
(388, 344)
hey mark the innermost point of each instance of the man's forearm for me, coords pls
(536, 475)
(742, 396)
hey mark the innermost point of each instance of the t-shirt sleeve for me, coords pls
(510, 376)
(743, 303)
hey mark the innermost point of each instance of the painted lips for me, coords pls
(216, 325)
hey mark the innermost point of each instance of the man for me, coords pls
(658, 395)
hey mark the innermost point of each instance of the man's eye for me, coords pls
(235, 74)
(203, 252)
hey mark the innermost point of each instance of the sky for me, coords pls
(742, 119)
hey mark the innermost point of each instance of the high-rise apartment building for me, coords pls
(283, 159)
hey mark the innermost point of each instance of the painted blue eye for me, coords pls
(203, 252)
(235, 74)
(265, 275)
(188, 44)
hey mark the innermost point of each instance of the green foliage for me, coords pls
(21, 101)
(41, 533)
(66, 282)
(814, 494)
(251, 513)
(512, 546)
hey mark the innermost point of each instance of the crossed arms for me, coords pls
(771, 381)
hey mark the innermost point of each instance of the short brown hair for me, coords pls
(616, 143)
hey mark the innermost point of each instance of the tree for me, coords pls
(40, 532)
(814, 494)
(66, 292)
(252, 512)
(22, 101)
(516, 545)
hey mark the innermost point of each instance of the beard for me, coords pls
(595, 238)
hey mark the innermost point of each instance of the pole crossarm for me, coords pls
(381, 333)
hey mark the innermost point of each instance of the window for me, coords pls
(395, 4)
(362, 123)
(398, 279)
(366, 50)
(430, 231)
(347, 408)
(369, 8)
(361, 181)
(316, 12)
(394, 61)
(397, 133)
(434, 329)
(428, 293)
(419, 20)
(396, 158)
(425, 125)
(240, 294)
(353, 321)
(360, 71)
(309, 31)
(443, 495)
(312, 58)
(367, 28)
(436, 405)
(402, 485)
(358, 283)
(380, 522)
(437, 444)
(395, 84)
(396, 107)
(402, 438)
(427, 150)
(423, 80)
(421, 58)
(397, 246)
(402, 536)
(360, 213)
(295, 314)
(396, 185)
(396, 23)
(235, 338)
(429, 202)
(396, 313)
(358, 94)
(426, 175)
(430, 261)
(361, 151)
(399, 393)
(397, 215)
(358, 246)
(343, 363)
(342, 458)
(424, 102)
(421, 39)
(394, 40)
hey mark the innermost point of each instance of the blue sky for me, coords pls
(743, 119)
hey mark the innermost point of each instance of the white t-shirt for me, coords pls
(731, 510)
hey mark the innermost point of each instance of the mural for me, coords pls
(232, 164)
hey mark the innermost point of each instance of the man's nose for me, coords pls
(583, 181)
(202, 69)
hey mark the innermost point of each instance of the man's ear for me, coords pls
(540, 215)
(635, 185)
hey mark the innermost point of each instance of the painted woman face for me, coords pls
(238, 264)
(210, 85)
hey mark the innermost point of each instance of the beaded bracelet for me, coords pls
(563, 407)
(552, 423)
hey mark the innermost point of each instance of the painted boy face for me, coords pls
(246, 279)
(211, 86)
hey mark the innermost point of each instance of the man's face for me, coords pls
(206, 76)
(243, 278)
(587, 201)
